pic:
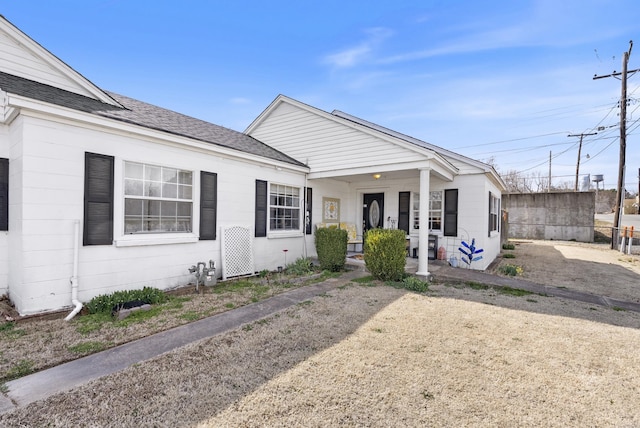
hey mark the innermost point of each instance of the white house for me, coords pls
(438, 197)
(100, 192)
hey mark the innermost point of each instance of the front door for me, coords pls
(372, 211)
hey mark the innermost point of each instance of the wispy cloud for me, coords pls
(354, 55)
(240, 100)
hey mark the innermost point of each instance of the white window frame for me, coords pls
(431, 217)
(284, 198)
(155, 237)
(494, 214)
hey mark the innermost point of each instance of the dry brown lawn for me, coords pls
(365, 355)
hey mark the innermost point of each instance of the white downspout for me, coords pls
(74, 277)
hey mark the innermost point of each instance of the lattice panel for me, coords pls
(237, 252)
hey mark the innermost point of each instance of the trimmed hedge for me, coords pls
(331, 246)
(385, 253)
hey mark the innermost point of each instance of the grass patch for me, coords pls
(363, 280)
(93, 322)
(140, 316)
(190, 316)
(477, 285)
(410, 283)
(234, 286)
(513, 291)
(508, 256)
(618, 309)
(10, 331)
(20, 369)
(508, 246)
(88, 347)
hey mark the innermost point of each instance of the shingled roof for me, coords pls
(146, 115)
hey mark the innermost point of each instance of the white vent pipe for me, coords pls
(74, 277)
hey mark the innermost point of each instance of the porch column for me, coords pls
(423, 232)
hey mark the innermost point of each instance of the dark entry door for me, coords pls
(372, 211)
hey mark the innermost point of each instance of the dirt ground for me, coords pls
(590, 268)
(373, 355)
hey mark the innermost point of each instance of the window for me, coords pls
(416, 210)
(435, 210)
(157, 199)
(494, 210)
(284, 208)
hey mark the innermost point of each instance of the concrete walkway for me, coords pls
(67, 376)
(40, 385)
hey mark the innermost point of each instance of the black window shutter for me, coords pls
(98, 199)
(451, 212)
(4, 194)
(208, 205)
(308, 209)
(261, 208)
(403, 211)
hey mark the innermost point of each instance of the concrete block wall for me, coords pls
(562, 216)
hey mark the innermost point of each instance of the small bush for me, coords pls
(106, 302)
(385, 253)
(301, 266)
(412, 283)
(508, 247)
(509, 256)
(510, 270)
(331, 246)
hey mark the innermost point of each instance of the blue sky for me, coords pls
(508, 79)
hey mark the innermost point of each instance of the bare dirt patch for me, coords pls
(590, 268)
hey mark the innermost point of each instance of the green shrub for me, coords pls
(106, 302)
(331, 246)
(301, 266)
(412, 283)
(508, 246)
(385, 253)
(511, 270)
(509, 256)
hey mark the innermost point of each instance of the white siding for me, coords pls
(4, 235)
(19, 61)
(325, 144)
(47, 182)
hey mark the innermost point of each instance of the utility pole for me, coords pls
(549, 183)
(579, 150)
(623, 137)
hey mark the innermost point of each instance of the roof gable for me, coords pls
(329, 142)
(22, 56)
